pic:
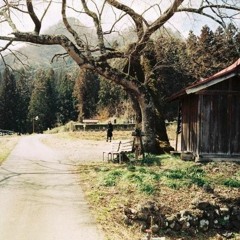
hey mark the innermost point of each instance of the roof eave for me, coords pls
(208, 84)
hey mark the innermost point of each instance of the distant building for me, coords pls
(209, 116)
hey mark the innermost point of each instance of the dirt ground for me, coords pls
(84, 151)
(40, 197)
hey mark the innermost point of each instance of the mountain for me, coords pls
(41, 55)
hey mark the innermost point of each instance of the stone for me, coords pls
(204, 225)
(127, 220)
(155, 228)
(142, 216)
(185, 225)
(224, 211)
(202, 205)
(207, 188)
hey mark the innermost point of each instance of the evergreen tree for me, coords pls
(227, 46)
(170, 64)
(211, 51)
(205, 49)
(111, 99)
(51, 97)
(66, 103)
(24, 85)
(86, 93)
(8, 102)
(41, 109)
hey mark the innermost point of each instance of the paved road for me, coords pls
(40, 198)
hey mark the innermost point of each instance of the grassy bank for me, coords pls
(163, 179)
(7, 143)
(166, 180)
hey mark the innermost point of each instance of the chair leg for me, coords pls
(109, 157)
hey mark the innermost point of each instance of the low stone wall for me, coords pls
(102, 127)
(201, 216)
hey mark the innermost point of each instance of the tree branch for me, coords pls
(6, 46)
(165, 16)
(156, 25)
(5, 64)
(68, 26)
(109, 55)
(34, 17)
(4, 12)
(138, 19)
(18, 58)
(45, 11)
(97, 24)
(57, 56)
(212, 7)
(111, 30)
(43, 39)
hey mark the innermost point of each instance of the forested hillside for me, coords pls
(52, 92)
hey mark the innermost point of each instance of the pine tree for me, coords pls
(111, 99)
(24, 85)
(212, 51)
(66, 103)
(86, 90)
(226, 48)
(8, 102)
(51, 96)
(41, 107)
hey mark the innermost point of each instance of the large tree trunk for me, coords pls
(153, 126)
(136, 108)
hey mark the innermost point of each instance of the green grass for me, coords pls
(7, 143)
(149, 174)
(111, 178)
(231, 182)
(166, 179)
(146, 179)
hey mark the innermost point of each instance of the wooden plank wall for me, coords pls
(189, 123)
(220, 119)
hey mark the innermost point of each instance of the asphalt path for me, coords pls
(40, 197)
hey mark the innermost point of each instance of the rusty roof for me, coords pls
(224, 74)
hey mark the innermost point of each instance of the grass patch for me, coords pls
(93, 135)
(231, 182)
(166, 179)
(7, 143)
(111, 178)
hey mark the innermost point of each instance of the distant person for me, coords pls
(109, 131)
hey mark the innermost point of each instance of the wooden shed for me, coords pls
(209, 116)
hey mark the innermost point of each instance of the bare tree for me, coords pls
(133, 77)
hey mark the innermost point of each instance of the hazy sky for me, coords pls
(180, 22)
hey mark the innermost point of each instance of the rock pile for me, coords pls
(201, 216)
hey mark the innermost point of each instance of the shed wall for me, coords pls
(220, 119)
(211, 121)
(189, 136)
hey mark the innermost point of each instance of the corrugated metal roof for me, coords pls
(212, 80)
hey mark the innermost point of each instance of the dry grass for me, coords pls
(107, 199)
(95, 135)
(7, 143)
(108, 196)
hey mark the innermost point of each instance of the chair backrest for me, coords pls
(115, 146)
(126, 146)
